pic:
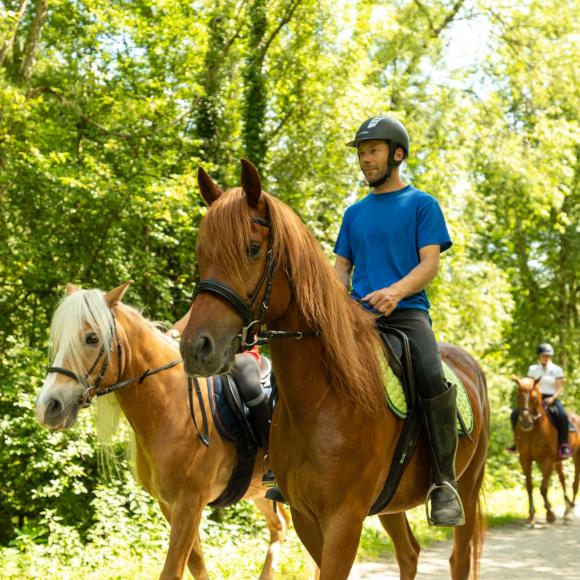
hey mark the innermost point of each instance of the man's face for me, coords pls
(373, 156)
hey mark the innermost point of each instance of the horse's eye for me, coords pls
(253, 250)
(92, 338)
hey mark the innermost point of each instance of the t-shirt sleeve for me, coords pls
(558, 372)
(342, 246)
(431, 226)
(533, 372)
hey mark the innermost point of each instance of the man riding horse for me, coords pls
(391, 241)
(551, 379)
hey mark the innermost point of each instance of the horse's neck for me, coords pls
(300, 372)
(147, 403)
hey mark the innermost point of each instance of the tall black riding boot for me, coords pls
(440, 414)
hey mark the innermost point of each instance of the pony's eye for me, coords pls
(253, 250)
(92, 338)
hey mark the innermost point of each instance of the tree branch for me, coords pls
(285, 20)
(12, 34)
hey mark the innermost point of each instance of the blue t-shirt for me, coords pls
(382, 235)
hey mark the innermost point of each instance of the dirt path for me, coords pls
(512, 551)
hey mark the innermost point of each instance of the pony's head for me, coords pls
(83, 336)
(239, 263)
(529, 401)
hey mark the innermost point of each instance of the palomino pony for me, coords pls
(333, 439)
(536, 440)
(98, 342)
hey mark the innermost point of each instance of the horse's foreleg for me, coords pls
(576, 476)
(527, 467)
(406, 546)
(310, 535)
(278, 525)
(184, 544)
(342, 530)
(567, 500)
(546, 474)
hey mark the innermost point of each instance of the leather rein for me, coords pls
(251, 333)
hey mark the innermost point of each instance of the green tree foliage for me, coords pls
(107, 108)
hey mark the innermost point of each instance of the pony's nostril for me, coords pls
(54, 408)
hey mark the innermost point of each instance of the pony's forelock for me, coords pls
(75, 313)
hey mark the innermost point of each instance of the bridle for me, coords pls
(528, 414)
(92, 388)
(251, 333)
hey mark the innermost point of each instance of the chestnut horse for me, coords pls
(537, 440)
(332, 439)
(173, 464)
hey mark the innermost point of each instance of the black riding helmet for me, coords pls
(385, 129)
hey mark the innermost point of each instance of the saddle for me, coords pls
(231, 417)
(404, 402)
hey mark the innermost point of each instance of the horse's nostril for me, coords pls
(203, 346)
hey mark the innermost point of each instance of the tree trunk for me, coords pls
(33, 38)
(12, 33)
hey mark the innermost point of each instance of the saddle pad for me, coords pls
(398, 404)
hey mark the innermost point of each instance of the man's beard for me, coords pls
(380, 180)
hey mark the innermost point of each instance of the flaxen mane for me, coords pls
(348, 340)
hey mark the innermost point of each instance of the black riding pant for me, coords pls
(427, 369)
(246, 373)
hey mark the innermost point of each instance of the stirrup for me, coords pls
(447, 485)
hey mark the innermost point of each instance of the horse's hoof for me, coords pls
(531, 522)
(550, 517)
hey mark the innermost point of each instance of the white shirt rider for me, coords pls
(549, 374)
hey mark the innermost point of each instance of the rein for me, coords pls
(530, 414)
(251, 333)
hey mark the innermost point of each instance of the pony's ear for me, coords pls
(251, 183)
(209, 190)
(71, 289)
(114, 296)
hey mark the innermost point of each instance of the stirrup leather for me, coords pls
(443, 484)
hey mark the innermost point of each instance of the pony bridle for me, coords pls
(251, 333)
(91, 389)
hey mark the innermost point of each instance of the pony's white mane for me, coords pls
(76, 312)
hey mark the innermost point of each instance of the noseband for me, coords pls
(252, 333)
(92, 389)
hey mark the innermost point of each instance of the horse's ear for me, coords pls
(114, 296)
(516, 379)
(71, 289)
(209, 190)
(251, 183)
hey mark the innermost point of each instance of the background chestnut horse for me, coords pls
(537, 440)
(172, 463)
(332, 439)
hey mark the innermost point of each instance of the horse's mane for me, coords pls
(348, 341)
(75, 313)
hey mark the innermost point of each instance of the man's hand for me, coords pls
(384, 300)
